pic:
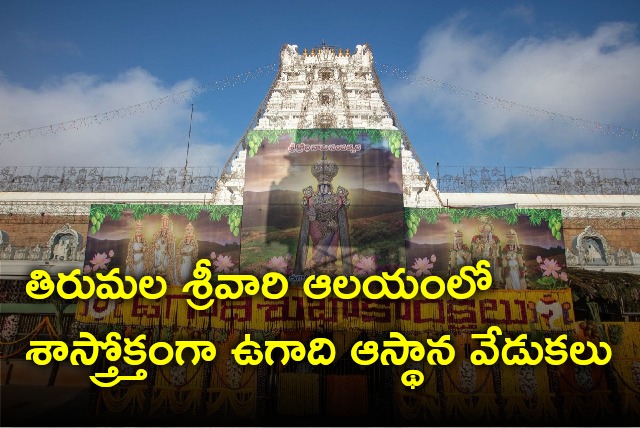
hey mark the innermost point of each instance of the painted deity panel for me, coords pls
(323, 202)
(524, 247)
(162, 240)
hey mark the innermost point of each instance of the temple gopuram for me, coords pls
(325, 182)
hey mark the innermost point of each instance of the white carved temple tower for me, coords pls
(327, 87)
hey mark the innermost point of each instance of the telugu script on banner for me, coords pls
(511, 310)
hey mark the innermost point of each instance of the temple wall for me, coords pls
(620, 232)
(29, 230)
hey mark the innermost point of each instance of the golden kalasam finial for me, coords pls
(340, 52)
(304, 52)
(347, 52)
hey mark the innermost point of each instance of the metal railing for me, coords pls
(108, 179)
(556, 181)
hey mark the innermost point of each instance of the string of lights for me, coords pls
(593, 126)
(154, 104)
(413, 79)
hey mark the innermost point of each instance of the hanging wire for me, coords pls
(495, 102)
(186, 160)
(405, 137)
(154, 104)
(414, 79)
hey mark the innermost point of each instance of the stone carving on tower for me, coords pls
(328, 88)
(325, 88)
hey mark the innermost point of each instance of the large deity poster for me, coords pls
(524, 246)
(323, 202)
(165, 240)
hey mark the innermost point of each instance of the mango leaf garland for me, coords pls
(413, 216)
(256, 138)
(395, 141)
(98, 213)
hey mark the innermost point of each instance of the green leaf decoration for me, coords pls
(546, 280)
(510, 215)
(394, 139)
(352, 135)
(98, 213)
(273, 136)
(256, 138)
(375, 136)
(549, 283)
(413, 217)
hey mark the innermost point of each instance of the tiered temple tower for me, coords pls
(327, 87)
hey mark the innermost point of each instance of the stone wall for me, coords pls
(604, 241)
(33, 237)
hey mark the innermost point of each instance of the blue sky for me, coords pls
(64, 60)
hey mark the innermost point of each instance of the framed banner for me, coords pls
(165, 240)
(524, 246)
(323, 201)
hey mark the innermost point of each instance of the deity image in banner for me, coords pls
(459, 255)
(324, 225)
(164, 250)
(187, 255)
(486, 246)
(513, 263)
(138, 256)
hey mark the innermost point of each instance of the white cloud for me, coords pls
(523, 12)
(593, 77)
(147, 138)
(615, 159)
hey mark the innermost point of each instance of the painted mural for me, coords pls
(524, 247)
(323, 202)
(162, 240)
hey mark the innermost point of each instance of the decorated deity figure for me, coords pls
(61, 248)
(164, 250)
(187, 255)
(80, 254)
(623, 258)
(34, 253)
(513, 263)
(486, 246)
(324, 224)
(138, 256)
(45, 254)
(593, 251)
(459, 255)
(6, 252)
(20, 254)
